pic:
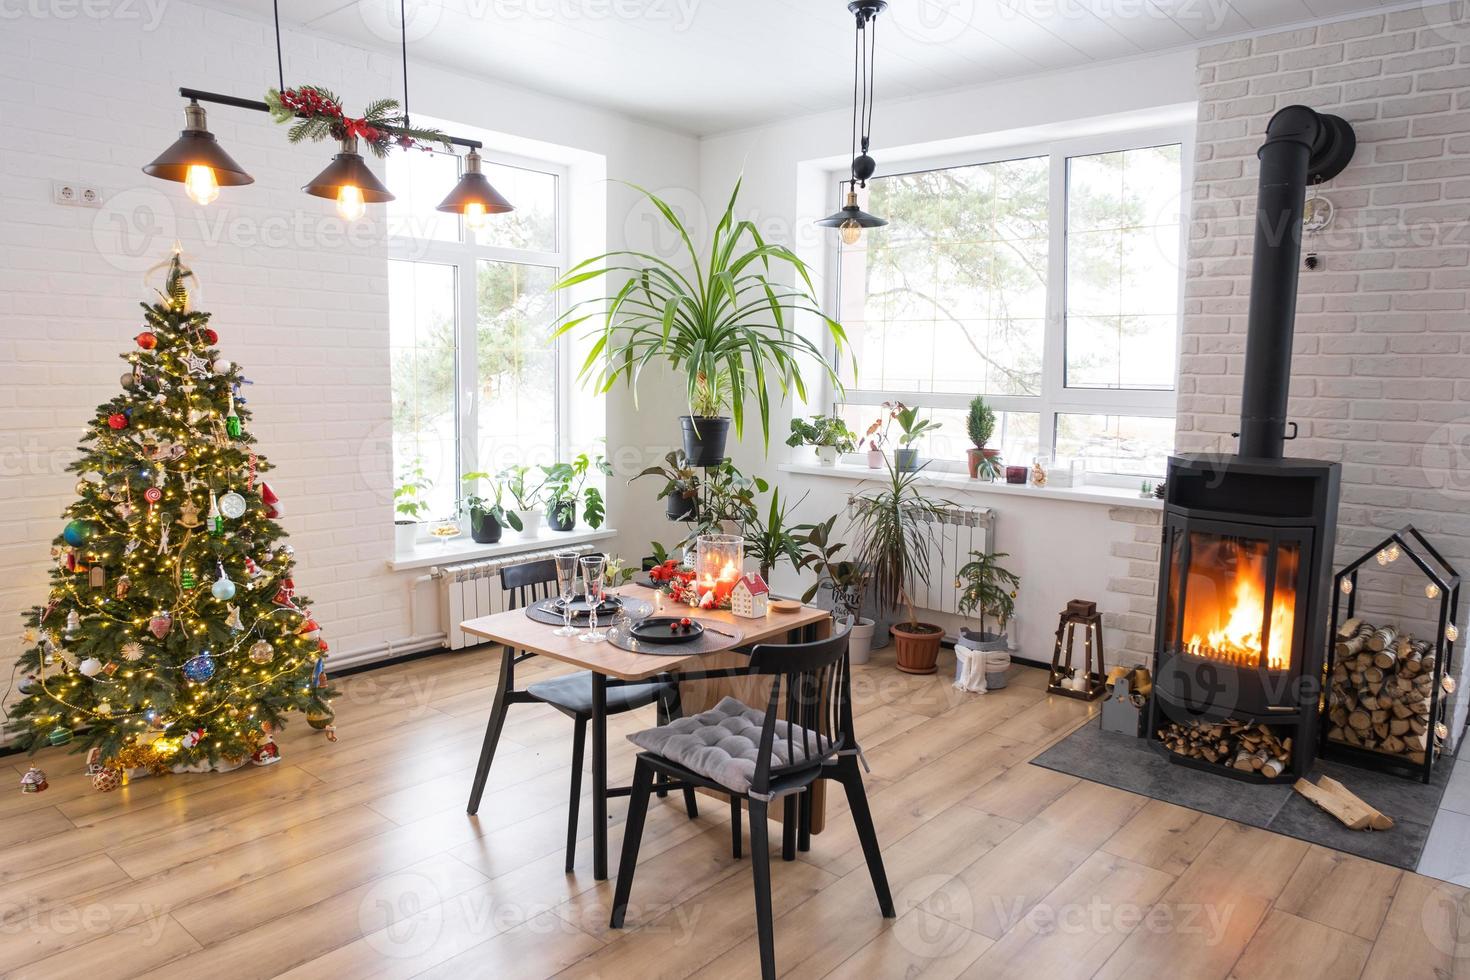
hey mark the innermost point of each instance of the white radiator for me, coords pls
(470, 589)
(957, 532)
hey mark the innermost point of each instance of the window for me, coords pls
(1047, 281)
(477, 382)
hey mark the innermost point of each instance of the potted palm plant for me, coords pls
(847, 582)
(771, 540)
(980, 426)
(565, 488)
(895, 525)
(680, 492)
(488, 515)
(724, 325)
(906, 457)
(828, 433)
(525, 495)
(410, 504)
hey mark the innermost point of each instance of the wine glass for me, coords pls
(593, 567)
(566, 584)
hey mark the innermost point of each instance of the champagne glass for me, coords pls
(566, 583)
(593, 567)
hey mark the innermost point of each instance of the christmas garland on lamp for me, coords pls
(319, 116)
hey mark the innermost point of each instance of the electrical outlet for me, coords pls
(75, 195)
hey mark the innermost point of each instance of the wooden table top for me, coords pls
(515, 629)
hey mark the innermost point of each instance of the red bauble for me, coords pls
(210, 336)
(273, 508)
(146, 340)
(117, 420)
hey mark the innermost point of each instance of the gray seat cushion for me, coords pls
(574, 693)
(722, 743)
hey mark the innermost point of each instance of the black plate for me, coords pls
(660, 629)
(581, 607)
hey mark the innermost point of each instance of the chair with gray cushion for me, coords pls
(758, 757)
(571, 694)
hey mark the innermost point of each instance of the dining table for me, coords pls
(704, 678)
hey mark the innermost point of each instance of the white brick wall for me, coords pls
(1382, 352)
(299, 303)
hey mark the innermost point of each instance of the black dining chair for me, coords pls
(571, 694)
(759, 757)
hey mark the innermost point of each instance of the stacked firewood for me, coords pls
(1249, 748)
(1380, 690)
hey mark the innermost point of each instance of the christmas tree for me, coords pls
(173, 637)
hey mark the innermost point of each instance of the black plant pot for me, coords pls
(704, 439)
(484, 528)
(681, 508)
(562, 517)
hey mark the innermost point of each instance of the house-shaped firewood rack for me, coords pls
(1387, 693)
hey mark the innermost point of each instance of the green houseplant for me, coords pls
(980, 426)
(410, 504)
(772, 539)
(846, 580)
(724, 325)
(565, 488)
(680, 492)
(828, 433)
(524, 496)
(895, 537)
(488, 515)
(906, 457)
(989, 589)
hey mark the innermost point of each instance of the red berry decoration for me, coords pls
(146, 340)
(117, 420)
(685, 622)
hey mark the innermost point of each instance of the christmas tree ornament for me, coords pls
(223, 589)
(133, 545)
(309, 630)
(268, 753)
(320, 717)
(189, 514)
(128, 379)
(59, 735)
(197, 364)
(34, 781)
(261, 652)
(273, 508)
(117, 420)
(124, 509)
(186, 579)
(28, 685)
(160, 624)
(132, 651)
(210, 337)
(232, 421)
(73, 623)
(107, 780)
(222, 367)
(200, 667)
(104, 708)
(163, 540)
(146, 340)
(90, 667)
(153, 495)
(120, 591)
(216, 519)
(192, 738)
(97, 577)
(232, 505)
(76, 533)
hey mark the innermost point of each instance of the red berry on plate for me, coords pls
(685, 622)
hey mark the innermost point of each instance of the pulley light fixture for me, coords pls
(850, 219)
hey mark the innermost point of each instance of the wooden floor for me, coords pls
(356, 859)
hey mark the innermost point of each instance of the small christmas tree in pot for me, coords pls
(173, 636)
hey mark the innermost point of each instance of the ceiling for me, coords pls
(707, 66)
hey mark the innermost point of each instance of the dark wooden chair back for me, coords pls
(528, 582)
(813, 681)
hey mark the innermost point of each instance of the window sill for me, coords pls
(1111, 496)
(425, 554)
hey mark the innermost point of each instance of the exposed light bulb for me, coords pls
(350, 204)
(1346, 585)
(200, 184)
(474, 215)
(1451, 632)
(850, 231)
(1431, 591)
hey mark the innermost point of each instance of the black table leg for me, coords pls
(599, 776)
(492, 730)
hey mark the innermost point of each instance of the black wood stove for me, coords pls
(1245, 570)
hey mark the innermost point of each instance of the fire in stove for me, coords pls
(1226, 597)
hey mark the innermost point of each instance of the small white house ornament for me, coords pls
(748, 598)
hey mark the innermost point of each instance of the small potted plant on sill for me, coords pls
(989, 590)
(410, 504)
(984, 462)
(565, 488)
(524, 495)
(876, 438)
(895, 538)
(488, 516)
(828, 433)
(906, 457)
(680, 492)
(847, 583)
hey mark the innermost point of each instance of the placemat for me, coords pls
(707, 642)
(542, 612)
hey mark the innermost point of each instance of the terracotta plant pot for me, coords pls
(974, 456)
(918, 646)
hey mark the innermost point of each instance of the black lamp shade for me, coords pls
(475, 189)
(347, 167)
(197, 147)
(854, 214)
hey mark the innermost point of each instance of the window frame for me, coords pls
(1055, 397)
(464, 257)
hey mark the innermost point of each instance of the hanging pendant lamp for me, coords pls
(197, 160)
(473, 196)
(348, 181)
(850, 220)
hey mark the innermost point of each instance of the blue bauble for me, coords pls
(200, 668)
(76, 533)
(223, 589)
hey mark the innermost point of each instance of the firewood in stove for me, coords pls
(1360, 720)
